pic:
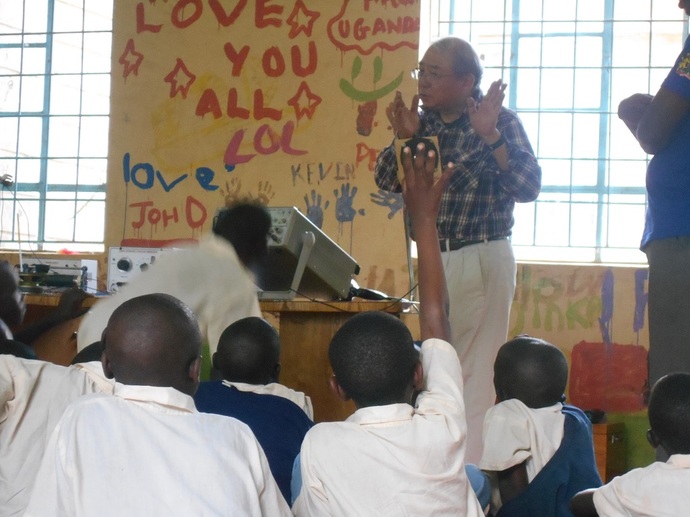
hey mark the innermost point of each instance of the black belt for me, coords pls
(456, 244)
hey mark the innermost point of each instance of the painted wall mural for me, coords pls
(283, 101)
(277, 101)
(590, 313)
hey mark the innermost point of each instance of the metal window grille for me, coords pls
(568, 64)
(54, 116)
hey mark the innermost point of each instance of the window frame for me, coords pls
(38, 191)
(437, 22)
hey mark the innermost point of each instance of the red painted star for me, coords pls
(180, 79)
(302, 108)
(297, 12)
(130, 60)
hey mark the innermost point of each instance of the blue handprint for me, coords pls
(392, 200)
(314, 210)
(344, 213)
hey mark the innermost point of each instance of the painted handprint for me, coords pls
(314, 209)
(391, 200)
(232, 191)
(265, 193)
(344, 213)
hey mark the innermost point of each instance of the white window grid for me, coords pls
(568, 63)
(54, 118)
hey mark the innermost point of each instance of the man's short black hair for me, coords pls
(669, 412)
(245, 225)
(531, 370)
(373, 358)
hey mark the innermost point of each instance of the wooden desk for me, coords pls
(59, 344)
(305, 327)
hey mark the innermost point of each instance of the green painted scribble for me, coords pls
(378, 69)
(356, 68)
(372, 95)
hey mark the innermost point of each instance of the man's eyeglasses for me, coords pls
(419, 74)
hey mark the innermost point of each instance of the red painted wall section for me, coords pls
(608, 377)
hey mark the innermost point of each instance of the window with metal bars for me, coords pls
(568, 64)
(54, 115)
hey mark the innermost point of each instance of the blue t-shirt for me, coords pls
(668, 174)
(278, 423)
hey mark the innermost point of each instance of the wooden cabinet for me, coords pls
(58, 344)
(609, 449)
(306, 329)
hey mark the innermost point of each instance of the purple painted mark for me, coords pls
(344, 212)
(391, 200)
(606, 307)
(314, 208)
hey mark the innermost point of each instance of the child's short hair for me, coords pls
(531, 370)
(373, 358)
(669, 412)
(248, 351)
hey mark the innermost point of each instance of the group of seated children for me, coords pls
(145, 449)
(137, 434)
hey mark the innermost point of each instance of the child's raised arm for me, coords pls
(422, 200)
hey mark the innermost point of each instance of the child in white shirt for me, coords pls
(395, 455)
(537, 450)
(661, 489)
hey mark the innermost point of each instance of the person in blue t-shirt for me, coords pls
(248, 359)
(661, 125)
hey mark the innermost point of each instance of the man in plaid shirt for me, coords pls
(495, 168)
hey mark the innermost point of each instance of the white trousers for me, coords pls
(481, 286)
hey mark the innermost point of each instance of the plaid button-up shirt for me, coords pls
(478, 203)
